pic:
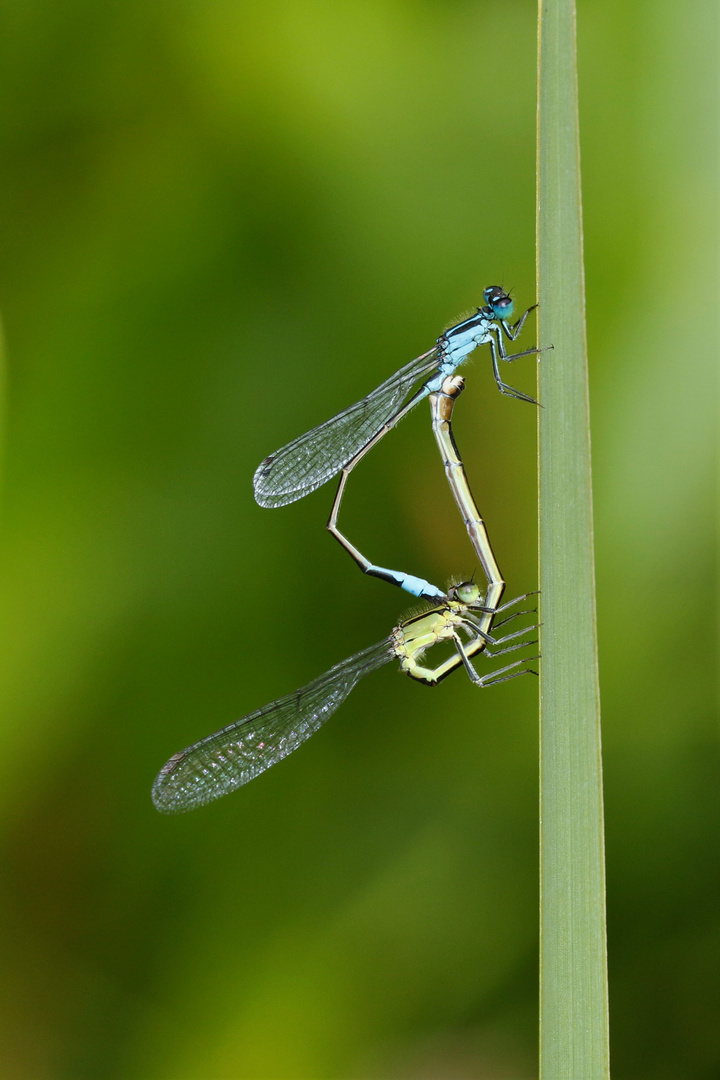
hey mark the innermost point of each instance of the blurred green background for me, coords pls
(222, 223)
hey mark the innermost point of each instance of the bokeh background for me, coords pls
(222, 222)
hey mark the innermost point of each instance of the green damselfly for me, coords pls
(224, 761)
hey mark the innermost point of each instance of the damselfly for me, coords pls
(340, 444)
(231, 757)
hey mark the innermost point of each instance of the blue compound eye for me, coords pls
(499, 301)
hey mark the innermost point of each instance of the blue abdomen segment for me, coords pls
(416, 586)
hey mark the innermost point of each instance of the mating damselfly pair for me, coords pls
(461, 616)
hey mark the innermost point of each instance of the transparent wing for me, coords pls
(306, 463)
(224, 761)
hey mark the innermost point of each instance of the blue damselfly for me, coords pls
(339, 444)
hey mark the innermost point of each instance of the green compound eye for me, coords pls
(468, 592)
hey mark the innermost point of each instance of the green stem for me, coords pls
(573, 961)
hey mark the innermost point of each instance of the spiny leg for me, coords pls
(511, 648)
(472, 673)
(497, 348)
(490, 681)
(514, 330)
(492, 677)
(515, 615)
(476, 631)
(512, 333)
(517, 600)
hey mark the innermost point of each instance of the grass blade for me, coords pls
(573, 962)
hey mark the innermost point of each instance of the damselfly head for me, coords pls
(499, 301)
(467, 592)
